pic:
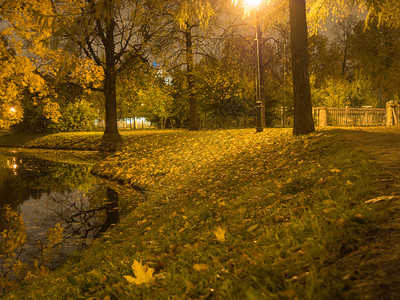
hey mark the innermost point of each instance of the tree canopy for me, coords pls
(58, 56)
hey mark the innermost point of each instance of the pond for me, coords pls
(62, 205)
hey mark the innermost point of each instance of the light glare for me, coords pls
(253, 3)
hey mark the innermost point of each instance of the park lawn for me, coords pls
(226, 214)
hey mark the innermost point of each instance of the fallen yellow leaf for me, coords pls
(143, 274)
(200, 267)
(220, 234)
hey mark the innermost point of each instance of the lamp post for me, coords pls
(260, 110)
(259, 103)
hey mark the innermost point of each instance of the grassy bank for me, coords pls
(9, 139)
(84, 141)
(227, 214)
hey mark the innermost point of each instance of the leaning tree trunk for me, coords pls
(303, 120)
(194, 118)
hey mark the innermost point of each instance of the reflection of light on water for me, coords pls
(12, 164)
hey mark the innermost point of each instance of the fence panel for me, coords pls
(349, 116)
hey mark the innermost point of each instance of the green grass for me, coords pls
(86, 141)
(291, 208)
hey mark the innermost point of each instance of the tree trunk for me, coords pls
(344, 63)
(110, 79)
(110, 104)
(303, 120)
(111, 138)
(194, 118)
(112, 211)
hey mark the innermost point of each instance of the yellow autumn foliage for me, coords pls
(29, 56)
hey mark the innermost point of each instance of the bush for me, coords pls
(38, 115)
(341, 93)
(76, 116)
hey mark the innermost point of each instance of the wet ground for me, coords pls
(375, 267)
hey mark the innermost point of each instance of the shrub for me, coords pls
(76, 116)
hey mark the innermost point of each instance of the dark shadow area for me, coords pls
(11, 139)
(110, 142)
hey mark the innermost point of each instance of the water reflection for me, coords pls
(112, 212)
(49, 194)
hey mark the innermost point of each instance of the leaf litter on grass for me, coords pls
(286, 212)
(263, 188)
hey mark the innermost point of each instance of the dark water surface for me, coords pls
(48, 191)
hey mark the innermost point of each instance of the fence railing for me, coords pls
(349, 116)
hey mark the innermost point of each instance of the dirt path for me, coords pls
(375, 268)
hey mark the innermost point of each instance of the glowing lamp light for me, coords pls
(12, 109)
(253, 3)
(248, 3)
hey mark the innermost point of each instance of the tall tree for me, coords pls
(325, 59)
(376, 53)
(190, 19)
(113, 34)
(343, 31)
(303, 120)
(194, 114)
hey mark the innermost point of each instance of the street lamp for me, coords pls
(260, 119)
(259, 104)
